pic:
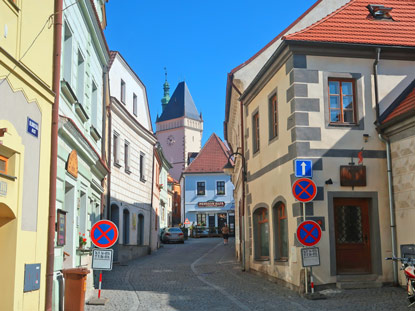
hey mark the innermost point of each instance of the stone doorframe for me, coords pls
(375, 246)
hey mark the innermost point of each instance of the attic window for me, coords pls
(379, 11)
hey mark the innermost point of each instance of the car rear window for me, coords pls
(175, 230)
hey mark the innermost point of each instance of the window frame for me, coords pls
(273, 116)
(202, 216)
(115, 149)
(142, 167)
(281, 214)
(217, 187)
(354, 103)
(197, 188)
(255, 132)
(6, 161)
(123, 91)
(257, 226)
(127, 156)
(135, 110)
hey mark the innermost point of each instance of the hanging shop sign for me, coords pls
(72, 164)
(353, 175)
(211, 204)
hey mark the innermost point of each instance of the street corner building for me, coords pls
(81, 161)
(326, 91)
(207, 200)
(130, 144)
(26, 101)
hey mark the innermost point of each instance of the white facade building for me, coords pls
(131, 145)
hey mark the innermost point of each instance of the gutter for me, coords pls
(152, 201)
(57, 40)
(389, 171)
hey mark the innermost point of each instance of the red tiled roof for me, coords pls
(113, 54)
(211, 159)
(353, 23)
(407, 105)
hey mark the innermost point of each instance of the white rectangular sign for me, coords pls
(102, 259)
(310, 256)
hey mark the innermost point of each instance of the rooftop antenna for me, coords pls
(165, 73)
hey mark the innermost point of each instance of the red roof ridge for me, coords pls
(321, 20)
(210, 164)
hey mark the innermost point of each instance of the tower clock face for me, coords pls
(170, 140)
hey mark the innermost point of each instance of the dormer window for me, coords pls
(379, 11)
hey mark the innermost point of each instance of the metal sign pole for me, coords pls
(305, 269)
(311, 280)
(100, 282)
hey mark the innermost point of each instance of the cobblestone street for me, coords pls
(202, 274)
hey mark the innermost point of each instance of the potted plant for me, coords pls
(82, 240)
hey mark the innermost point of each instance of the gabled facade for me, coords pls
(317, 98)
(238, 80)
(179, 128)
(26, 100)
(208, 191)
(131, 141)
(81, 167)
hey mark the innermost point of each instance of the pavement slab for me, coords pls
(202, 274)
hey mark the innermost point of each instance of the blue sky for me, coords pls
(198, 41)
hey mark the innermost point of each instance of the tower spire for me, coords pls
(166, 87)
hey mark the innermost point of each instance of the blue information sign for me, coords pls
(303, 168)
(32, 127)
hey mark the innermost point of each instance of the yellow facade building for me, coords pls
(26, 98)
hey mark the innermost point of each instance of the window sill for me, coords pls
(344, 125)
(272, 139)
(282, 262)
(260, 260)
(142, 179)
(9, 177)
(117, 164)
(127, 170)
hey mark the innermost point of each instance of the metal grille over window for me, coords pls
(349, 229)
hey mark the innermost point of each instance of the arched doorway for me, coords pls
(140, 229)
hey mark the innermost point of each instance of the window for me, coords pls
(281, 231)
(80, 78)
(122, 91)
(94, 105)
(67, 54)
(220, 188)
(201, 219)
(261, 234)
(116, 148)
(200, 188)
(127, 156)
(135, 104)
(3, 165)
(255, 130)
(142, 167)
(156, 219)
(342, 104)
(273, 117)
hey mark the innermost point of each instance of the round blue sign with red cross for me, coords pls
(309, 233)
(304, 190)
(104, 234)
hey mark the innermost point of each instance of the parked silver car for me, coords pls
(172, 235)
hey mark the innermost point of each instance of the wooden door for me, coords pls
(352, 229)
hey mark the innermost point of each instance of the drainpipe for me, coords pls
(243, 187)
(109, 155)
(375, 73)
(389, 170)
(391, 207)
(57, 40)
(152, 200)
(104, 125)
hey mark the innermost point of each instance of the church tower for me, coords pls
(179, 128)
